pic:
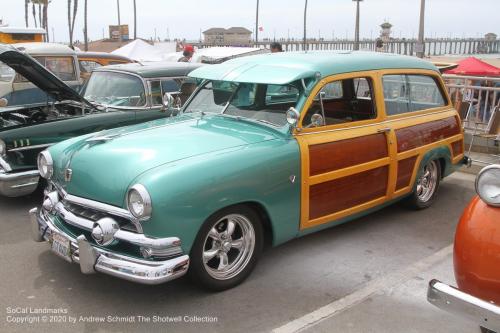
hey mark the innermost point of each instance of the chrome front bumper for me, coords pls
(464, 305)
(92, 258)
(18, 184)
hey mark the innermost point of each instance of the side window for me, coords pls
(396, 94)
(156, 94)
(342, 101)
(408, 93)
(424, 93)
(88, 65)
(62, 67)
(170, 85)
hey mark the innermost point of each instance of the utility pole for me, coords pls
(257, 24)
(119, 23)
(356, 29)
(420, 47)
(304, 46)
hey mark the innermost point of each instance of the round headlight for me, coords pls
(3, 148)
(139, 202)
(488, 185)
(45, 164)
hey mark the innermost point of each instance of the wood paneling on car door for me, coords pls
(346, 192)
(341, 154)
(405, 171)
(423, 134)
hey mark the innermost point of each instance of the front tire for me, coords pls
(426, 186)
(226, 248)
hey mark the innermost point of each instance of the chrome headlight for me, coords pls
(45, 164)
(3, 148)
(139, 202)
(488, 185)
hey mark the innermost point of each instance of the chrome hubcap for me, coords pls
(426, 184)
(228, 247)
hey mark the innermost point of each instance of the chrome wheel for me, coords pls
(428, 181)
(228, 246)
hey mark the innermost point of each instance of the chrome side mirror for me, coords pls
(168, 101)
(171, 103)
(292, 117)
(317, 120)
(3, 102)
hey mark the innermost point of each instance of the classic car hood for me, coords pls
(105, 164)
(37, 74)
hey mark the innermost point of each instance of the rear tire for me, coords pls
(226, 248)
(426, 186)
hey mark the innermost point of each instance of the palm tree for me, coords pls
(33, 11)
(135, 21)
(26, 3)
(45, 20)
(71, 20)
(85, 36)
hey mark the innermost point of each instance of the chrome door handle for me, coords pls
(384, 130)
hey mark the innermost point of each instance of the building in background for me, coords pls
(235, 36)
(12, 35)
(490, 37)
(385, 33)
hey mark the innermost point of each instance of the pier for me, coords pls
(433, 47)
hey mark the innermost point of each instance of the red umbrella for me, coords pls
(473, 66)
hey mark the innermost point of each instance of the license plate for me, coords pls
(61, 246)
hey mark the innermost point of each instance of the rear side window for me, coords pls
(408, 93)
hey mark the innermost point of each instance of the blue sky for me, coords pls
(185, 18)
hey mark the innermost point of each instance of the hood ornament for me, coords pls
(67, 174)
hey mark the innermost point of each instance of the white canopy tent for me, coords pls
(216, 54)
(139, 50)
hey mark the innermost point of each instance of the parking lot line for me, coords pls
(386, 282)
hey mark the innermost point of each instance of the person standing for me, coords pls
(276, 47)
(187, 53)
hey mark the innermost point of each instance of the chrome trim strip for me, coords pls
(4, 165)
(93, 258)
(387, 121)
(462, 304)
(31, 147)
(141, 240)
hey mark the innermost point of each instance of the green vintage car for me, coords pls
(267, 149)
(114, 96)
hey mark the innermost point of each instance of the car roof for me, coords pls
(286, 67)
(44, 48)
(154, 69)
(102, 55)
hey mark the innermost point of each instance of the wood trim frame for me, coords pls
(338, 132)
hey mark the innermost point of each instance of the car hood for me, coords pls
(34, 72)
(105, 164)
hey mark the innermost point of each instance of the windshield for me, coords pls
(115, 89)
(261, 102)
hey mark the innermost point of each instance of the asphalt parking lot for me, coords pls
(369, 275)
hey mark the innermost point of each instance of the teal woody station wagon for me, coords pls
(267, 149)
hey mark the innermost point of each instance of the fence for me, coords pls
(433, 47)
(476, 98)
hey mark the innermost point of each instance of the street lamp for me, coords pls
(356, 30)
(420, 47)
(305, 24)
(257, 24)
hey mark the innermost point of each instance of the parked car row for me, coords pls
(264, 149)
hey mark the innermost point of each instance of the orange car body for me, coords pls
(477, 251)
